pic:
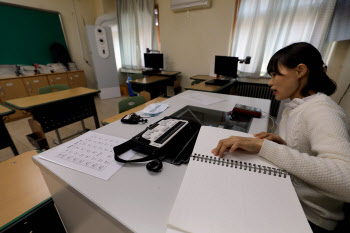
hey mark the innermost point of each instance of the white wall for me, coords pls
(190, 40)
(339, 71)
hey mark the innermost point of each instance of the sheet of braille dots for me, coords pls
(91, 153)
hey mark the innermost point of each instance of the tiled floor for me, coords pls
(20, 128)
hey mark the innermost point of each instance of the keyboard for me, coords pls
(159, 134)
(217, 82)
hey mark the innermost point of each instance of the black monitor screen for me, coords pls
(154, 60)
(226, 66)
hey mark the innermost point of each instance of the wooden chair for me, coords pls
(130, 103)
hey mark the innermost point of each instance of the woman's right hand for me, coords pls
(270, 136)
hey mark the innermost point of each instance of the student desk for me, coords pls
(202, 77)
(133, 199)
(153, 84)
(136, 109)
(212, 88)
(24, 197)
(5, 138)
(57, 109)
(172, 77)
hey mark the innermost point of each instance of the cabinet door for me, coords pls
(13, 89)
(33, 84)
(76, 79)
(57, 79)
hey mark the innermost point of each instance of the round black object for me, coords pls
(155, 165)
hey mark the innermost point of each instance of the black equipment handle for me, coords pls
(122, 148)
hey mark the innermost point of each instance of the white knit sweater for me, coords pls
(317, 157)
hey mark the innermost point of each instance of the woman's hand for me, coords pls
(232, 143)
(270, 136)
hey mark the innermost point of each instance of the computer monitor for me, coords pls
(154, 61)
(226, 66)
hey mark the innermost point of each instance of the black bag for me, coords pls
(176, 151)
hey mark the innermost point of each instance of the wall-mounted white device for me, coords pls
(101, 40)
(183, 5)
(104, 63)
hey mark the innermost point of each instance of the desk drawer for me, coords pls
(54, 79)
(41, 220)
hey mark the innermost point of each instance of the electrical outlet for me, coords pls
(101, 40)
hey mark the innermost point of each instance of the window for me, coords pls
(136, 25)
(265, 26)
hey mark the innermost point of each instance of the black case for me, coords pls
(176, 151)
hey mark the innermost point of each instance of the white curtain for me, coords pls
(265, 26)
(135, 26)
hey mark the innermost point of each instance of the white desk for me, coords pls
(132, 199)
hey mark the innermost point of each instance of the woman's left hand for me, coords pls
(232, 143)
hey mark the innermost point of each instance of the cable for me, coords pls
(274, 122)
(344, 94)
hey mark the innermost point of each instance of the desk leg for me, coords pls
(6, 138)
(37, 138)
(165, 89)
(97, 123)
(14, 149)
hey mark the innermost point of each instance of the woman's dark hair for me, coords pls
(304, 53)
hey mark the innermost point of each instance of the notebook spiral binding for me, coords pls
(240, 165)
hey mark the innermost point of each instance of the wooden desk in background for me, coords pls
(136, 109)
(172, 75)
(57, 109)
(155, 85)
(226, 89)
(202, 77)
(5, 138)
(25, 201)
(22, 187)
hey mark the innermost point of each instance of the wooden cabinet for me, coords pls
(58, 78)
(11, 89)
(76, 79)
(18, 87)
(33, 84)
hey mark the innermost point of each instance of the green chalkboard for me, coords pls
(27, 34)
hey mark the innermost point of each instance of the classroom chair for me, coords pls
(146, 94)
(60, 87)
(130, 103)
(52, 88)
(196, 82)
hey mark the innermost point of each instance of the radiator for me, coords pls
(261, 91)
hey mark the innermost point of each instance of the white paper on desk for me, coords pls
(201, 98)
(91, 153)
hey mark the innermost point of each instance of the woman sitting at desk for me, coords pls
(314, 142)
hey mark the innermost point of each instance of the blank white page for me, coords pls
(216, 198)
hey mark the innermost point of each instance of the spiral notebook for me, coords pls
(238, 193)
